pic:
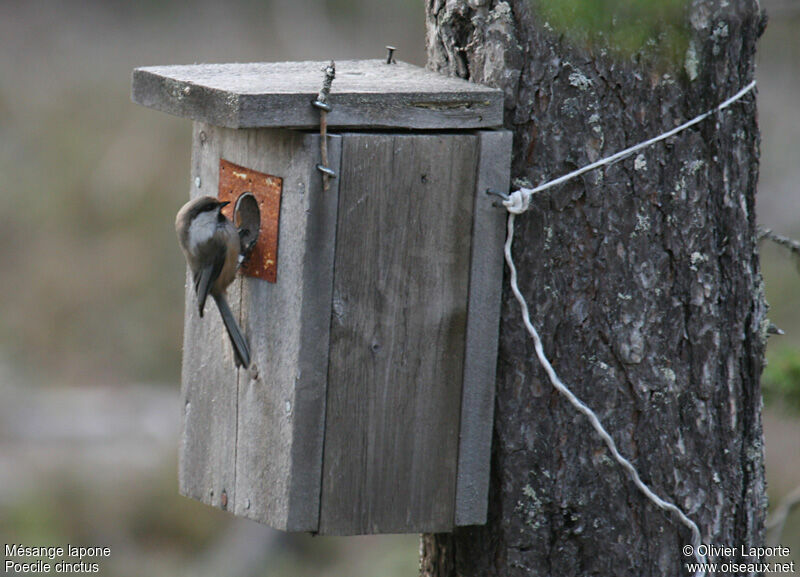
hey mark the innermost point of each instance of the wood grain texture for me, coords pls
(398, 333)
(365, 94)
(269, 442)
(207, 449)
(209, 380)
(483, 327)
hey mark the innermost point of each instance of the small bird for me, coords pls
(212, 247)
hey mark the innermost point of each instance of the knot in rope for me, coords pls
(518, 201)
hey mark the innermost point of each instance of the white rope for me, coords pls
(517, 203)
(528, 192)
(578, 404)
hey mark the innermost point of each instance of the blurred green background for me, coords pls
(92, 283)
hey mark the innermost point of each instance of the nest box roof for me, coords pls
(365, 94)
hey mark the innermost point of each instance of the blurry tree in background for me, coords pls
(92, 276)
(782, 379)
(91, 182)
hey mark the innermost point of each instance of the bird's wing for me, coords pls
(212, 252)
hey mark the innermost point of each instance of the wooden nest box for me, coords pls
(371, 308)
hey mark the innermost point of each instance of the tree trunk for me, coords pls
(643, 280)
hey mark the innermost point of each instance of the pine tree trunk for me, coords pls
(643, 280)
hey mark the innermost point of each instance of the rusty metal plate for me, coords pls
(235, 180)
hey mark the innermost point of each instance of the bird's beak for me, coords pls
(226, 203)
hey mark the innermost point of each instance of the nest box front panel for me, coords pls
(398, 328)
(369, 406)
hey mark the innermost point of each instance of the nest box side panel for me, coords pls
(398, 333)
(279, 410)
(483, 328)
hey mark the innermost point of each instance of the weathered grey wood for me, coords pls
(483, 325)
(209, 381)
(312, 364)
(398, 333)
(207, 447)
(365, 94)
(275, 453)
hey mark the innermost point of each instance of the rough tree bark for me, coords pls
(644, 281)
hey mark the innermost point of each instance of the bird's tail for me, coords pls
(240, 348)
